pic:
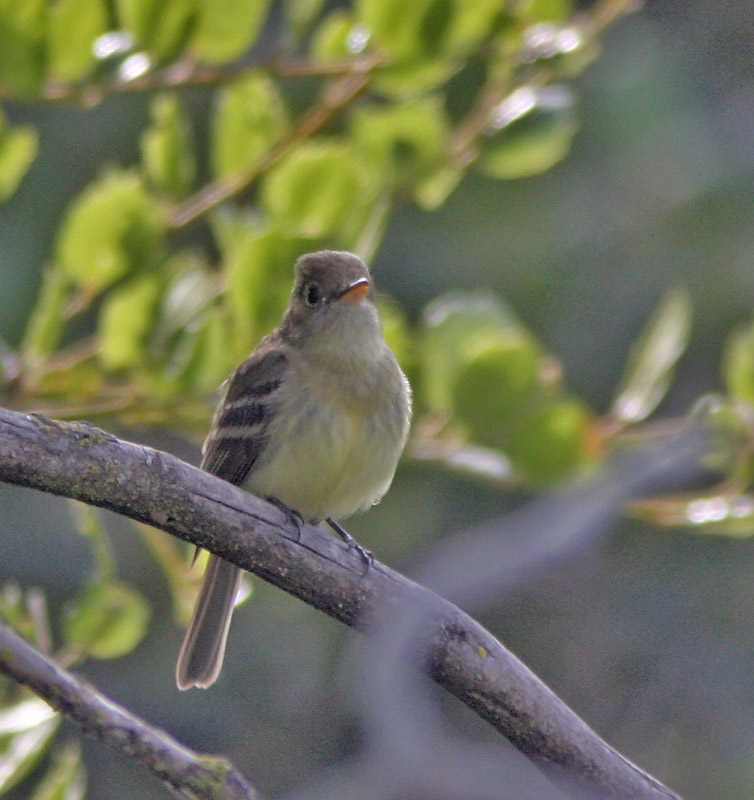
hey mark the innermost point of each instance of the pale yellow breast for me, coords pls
(332, 448)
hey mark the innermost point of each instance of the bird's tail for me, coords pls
(203, 649)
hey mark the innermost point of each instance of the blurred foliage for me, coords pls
(130, 328)
(107, 618)
(133, 328)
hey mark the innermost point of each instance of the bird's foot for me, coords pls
(366, 555)
(293, 516)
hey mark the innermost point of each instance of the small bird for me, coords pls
(315, 419)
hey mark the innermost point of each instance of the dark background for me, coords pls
(648, 634)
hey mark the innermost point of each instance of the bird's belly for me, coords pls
(331, 461)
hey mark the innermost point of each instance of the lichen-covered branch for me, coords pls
(82, 462)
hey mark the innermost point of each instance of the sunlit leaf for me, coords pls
(26, 731)
(494, 385)
(531, 131)
(401, 142)
(225, 29)
(396, 332)
(167, 150)
(22, 27)
(44, 327)
(127, 316)
(161, 27)
(542, 10)
(332, 39)
(25, 715)
(192, 288)
(248, 118)
(14, 611)
(259, 270)
(314, 192)
(738, 364)
(407, 31)
(110, 229)
(202, 359)
(108, 620)
(301, 13)
(551, 443)
(458, 326)
(18, 149)
(72, 28)
(653, 358)
(473, 20)
(431, 192)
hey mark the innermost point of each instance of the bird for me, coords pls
(315, 420)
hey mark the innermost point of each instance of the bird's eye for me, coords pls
(311, 294)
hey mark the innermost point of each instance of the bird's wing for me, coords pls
(239, 428)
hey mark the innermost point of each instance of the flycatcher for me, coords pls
(315, 418)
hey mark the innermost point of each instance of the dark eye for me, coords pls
(311, 294)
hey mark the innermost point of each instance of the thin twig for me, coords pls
(335, 97)
(207, 777)
(189, 74)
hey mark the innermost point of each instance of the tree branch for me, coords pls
(82, 462)
(210, 778)
(334, 98)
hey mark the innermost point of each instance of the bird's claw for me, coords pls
(294, 517)
(366, 555)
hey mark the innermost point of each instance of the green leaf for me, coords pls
(25, 715)
(401, 142)
(259, 273)
(18, 149)
(107, 621)
(225, 29)
(22, 26)
(44, 328)
(111, 229)
(396, 331)
(425, 40)
(72, 28)
(191, 289)
(473, 21)
(26, 730)
(316, 191)
(653, 357)
(333, 38)
(65, 778)
(14, 611)
(494, 386)
(458, 327)
(406, 31)
(301, 13)
(551, 443)
(533, 129)
(210, 358)
(167, 150)
(738, 364)
(534, 11)
(435, 189)
(126, 318)
(161, 27)
(248, 119)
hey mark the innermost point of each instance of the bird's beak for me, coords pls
(355, 291)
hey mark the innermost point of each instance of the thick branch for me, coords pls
(212, 778)
(82, 462)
